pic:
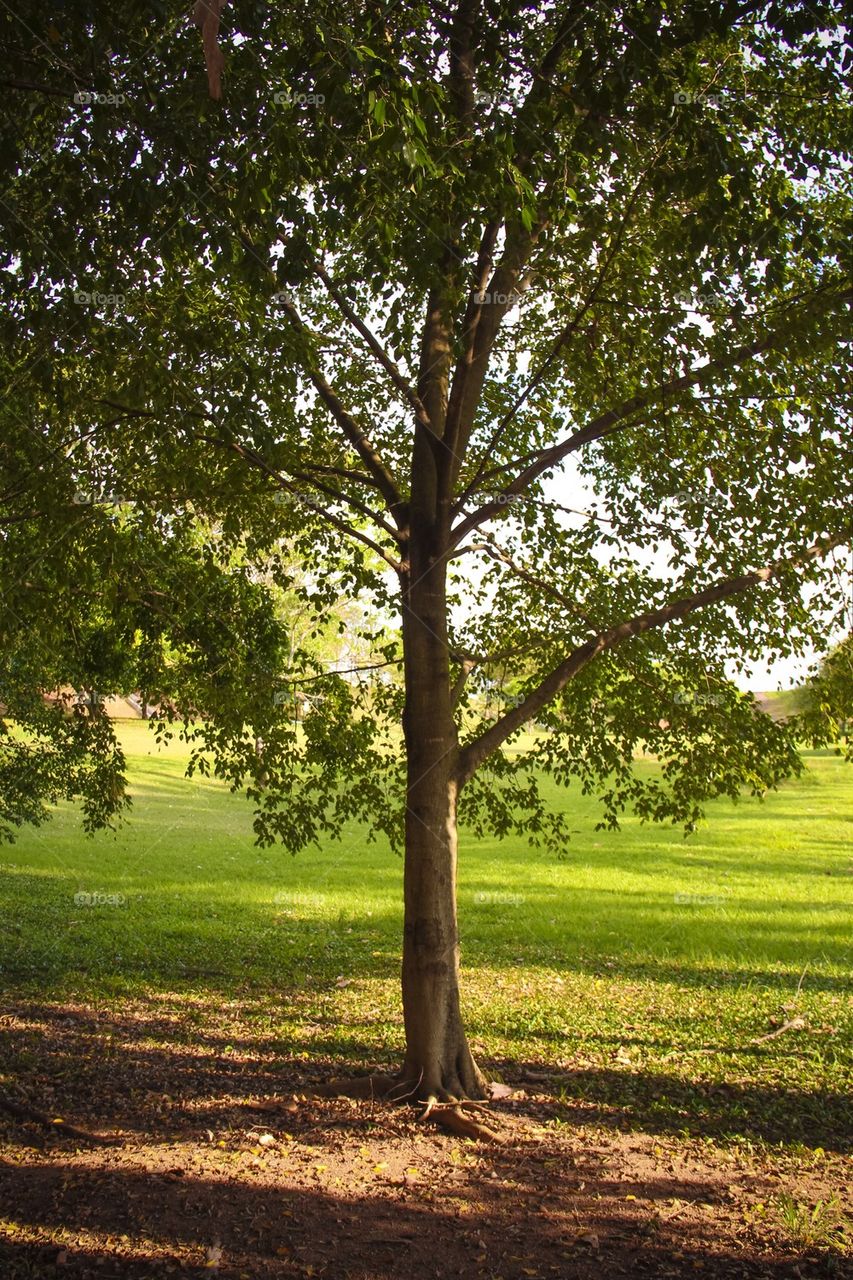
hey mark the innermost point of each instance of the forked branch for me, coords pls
(260, 464)
(406, 390)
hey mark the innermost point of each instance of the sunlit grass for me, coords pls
(641, 967)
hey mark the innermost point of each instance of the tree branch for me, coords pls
(533, 580)
(385, 482)
(255, 460)
(32, 86)
(571, 327)
(432, 463)
(343, 473)
(355, 503)
(461, 64)
(487, 308)
(617, 418)
(344, 671)
(473, 755)
(408, 392)
(466, 666)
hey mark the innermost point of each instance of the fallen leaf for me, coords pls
(499, 1090)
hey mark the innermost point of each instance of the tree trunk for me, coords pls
(438, 1061)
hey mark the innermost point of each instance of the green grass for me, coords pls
(641, 970)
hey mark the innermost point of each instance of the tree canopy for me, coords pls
(635, 222)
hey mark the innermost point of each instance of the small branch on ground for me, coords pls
(793, 1024)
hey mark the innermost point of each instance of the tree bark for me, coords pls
(438, 1062)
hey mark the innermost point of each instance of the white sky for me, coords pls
(569, 489)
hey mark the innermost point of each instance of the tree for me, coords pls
(825, 702)
(416, 264)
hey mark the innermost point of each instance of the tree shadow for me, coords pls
(220, 944)
(655, 1102)
(511, 1214)
(332, 1191)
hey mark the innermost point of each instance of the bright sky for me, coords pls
(570, 490)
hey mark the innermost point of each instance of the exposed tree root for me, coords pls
(443, 1107)
(455, 1119)
(355, 1087)
(22, 1111)
(449, 1113)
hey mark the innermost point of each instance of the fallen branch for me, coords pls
(793, 1024)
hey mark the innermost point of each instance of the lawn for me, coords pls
(648, 969)
(671, 1015)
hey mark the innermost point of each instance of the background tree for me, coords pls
(825, 703)
(416, 266)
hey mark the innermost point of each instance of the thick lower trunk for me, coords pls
(438, 1061)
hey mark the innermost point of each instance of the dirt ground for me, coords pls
(217, 1162)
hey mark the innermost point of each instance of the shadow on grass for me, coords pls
(161, 938)
(655, 1102)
